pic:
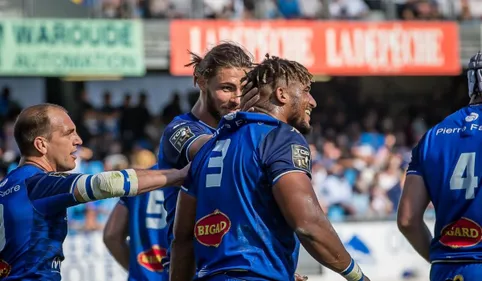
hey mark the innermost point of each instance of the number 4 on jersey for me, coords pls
(466, 163)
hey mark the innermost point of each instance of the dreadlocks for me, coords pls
(272, 69)
(267, 75)
(221, 56)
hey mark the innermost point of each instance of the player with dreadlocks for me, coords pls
(249, 195)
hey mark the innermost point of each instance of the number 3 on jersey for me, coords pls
(466, 163)
(214, 179)
(156, 213)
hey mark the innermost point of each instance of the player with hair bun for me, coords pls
(149, 219)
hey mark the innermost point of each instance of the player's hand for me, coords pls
(250, 96)
(298, 277)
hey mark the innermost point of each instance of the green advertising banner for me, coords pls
(51, 47)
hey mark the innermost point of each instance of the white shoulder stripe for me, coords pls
(287, 172)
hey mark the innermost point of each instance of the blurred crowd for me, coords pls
(464, 10)
(359, 156)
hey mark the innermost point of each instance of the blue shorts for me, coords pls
(456, 272)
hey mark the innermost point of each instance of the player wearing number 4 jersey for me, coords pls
(35, 196)
(248, 195)
(446, 169)
(218, 76)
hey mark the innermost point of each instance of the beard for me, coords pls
(297, 120)
(218, 110)
(211, 106)
(302, 126)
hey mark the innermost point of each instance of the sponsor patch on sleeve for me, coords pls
(180, 137)
(301, 157)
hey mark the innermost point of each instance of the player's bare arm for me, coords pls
(182, 267)
(197, 144)
(413, 203)
(115, 234)
(128, 182)
(296, 199)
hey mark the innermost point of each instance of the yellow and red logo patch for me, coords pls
(461, 234)
(210, 230)
(152, 258)
(5, 269)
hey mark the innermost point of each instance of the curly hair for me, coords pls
(273, 68)
(221, 56)
(267, 75)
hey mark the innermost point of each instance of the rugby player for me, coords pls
(141, 218)
(446, 169)
(148, 219)
(248, 197)
(35, 196)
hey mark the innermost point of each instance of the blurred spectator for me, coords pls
(289, 9)
(127, 122)
(111, 8)
(173, 108)
(8, 107)
(464, 10)
(222, 9)
(107, 106)
(141, 116)
(142, 159)
(158, 9)
(348, 9)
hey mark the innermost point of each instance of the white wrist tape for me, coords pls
(353, 272)
(108, 184)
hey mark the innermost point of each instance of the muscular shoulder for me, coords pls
(177, 138)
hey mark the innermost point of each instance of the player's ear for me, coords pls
(282, 95)
(201, 83)
(40, 144)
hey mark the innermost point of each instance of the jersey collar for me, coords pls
(238, 119)
(194, 118)
(28, 170)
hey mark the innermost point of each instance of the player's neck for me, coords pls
(201, 112)
(273, 113)
(40, 162)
